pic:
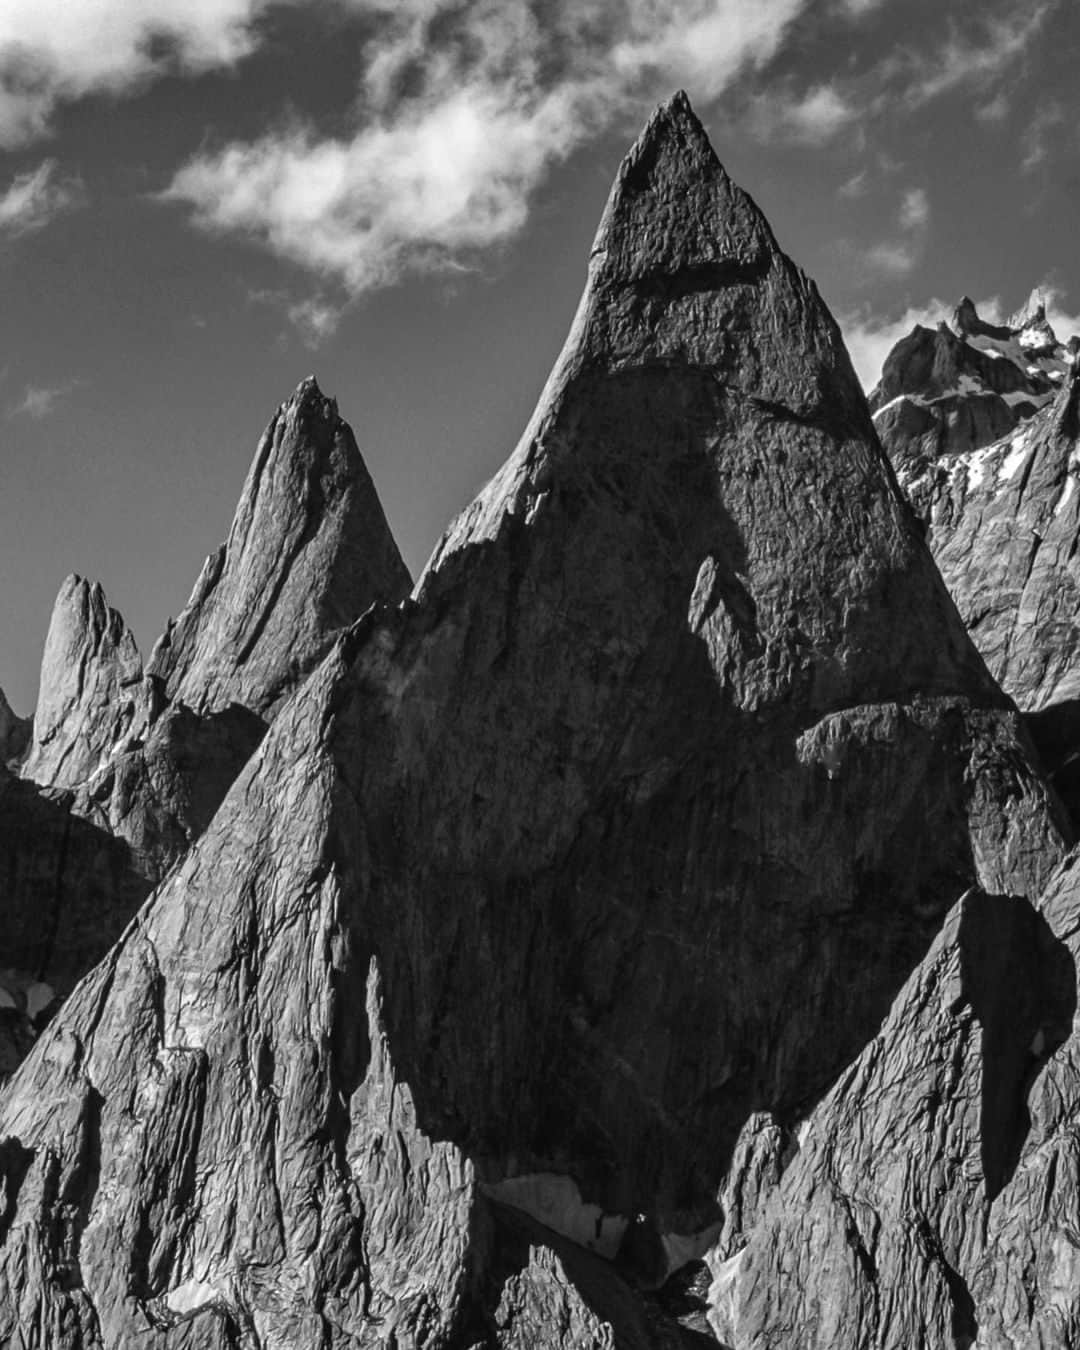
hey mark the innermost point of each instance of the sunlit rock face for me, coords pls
(555, 898)
(308, 552)
(126, 766)
(946, 393)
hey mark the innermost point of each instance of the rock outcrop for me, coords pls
(548, 888)
(1002, 522)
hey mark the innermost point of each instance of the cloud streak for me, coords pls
(53, 51)
(40, 400)
(36, 197)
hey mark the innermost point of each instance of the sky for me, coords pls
(203, 201)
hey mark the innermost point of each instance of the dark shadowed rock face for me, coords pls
(549, 890)
(308, 552)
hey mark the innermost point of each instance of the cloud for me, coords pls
(899, 255)
(55, 50)
(914, 209)
(994, 110)
(975, 58)
(459, 120)
(811, 118)
(36, 197)
(316, 320)
(40, 401)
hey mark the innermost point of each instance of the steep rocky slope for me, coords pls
(126, 768)
(309, 550)
(934, 1195)
(1002, 524)
(548, 890)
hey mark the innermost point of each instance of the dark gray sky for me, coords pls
(202, 201)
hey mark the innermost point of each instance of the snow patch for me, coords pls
(974, 466)
(1012, 462)
(191, 1296)
(1066, 496)
(900, 398)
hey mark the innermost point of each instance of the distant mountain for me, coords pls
(949, 391)
(993, 477)
(492, 1005)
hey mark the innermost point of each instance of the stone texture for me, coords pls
(934, 1197)
(309, 550)
(608, 851)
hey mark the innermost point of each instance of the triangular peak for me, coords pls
(673, 207)
(309, 550)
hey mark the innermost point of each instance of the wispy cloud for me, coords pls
(900, 253)
(1049, 116)
(53, 51)
(36, 197)
(972, 57)
(41, 400)
(316, 320)
(914, 210)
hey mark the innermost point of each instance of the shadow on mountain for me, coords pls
(69, 887)
(1056, 733)
(1020, 981)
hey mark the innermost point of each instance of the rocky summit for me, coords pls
(632, 938)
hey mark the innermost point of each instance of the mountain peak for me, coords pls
(309, 550)
(88, 669)
(309, 397)
(673, 207)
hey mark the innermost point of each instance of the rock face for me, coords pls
(90, 673)
(1002, 522)
(946, 394)
(308, 552)
(548, 890)
(126, 769)
(934, 1197)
